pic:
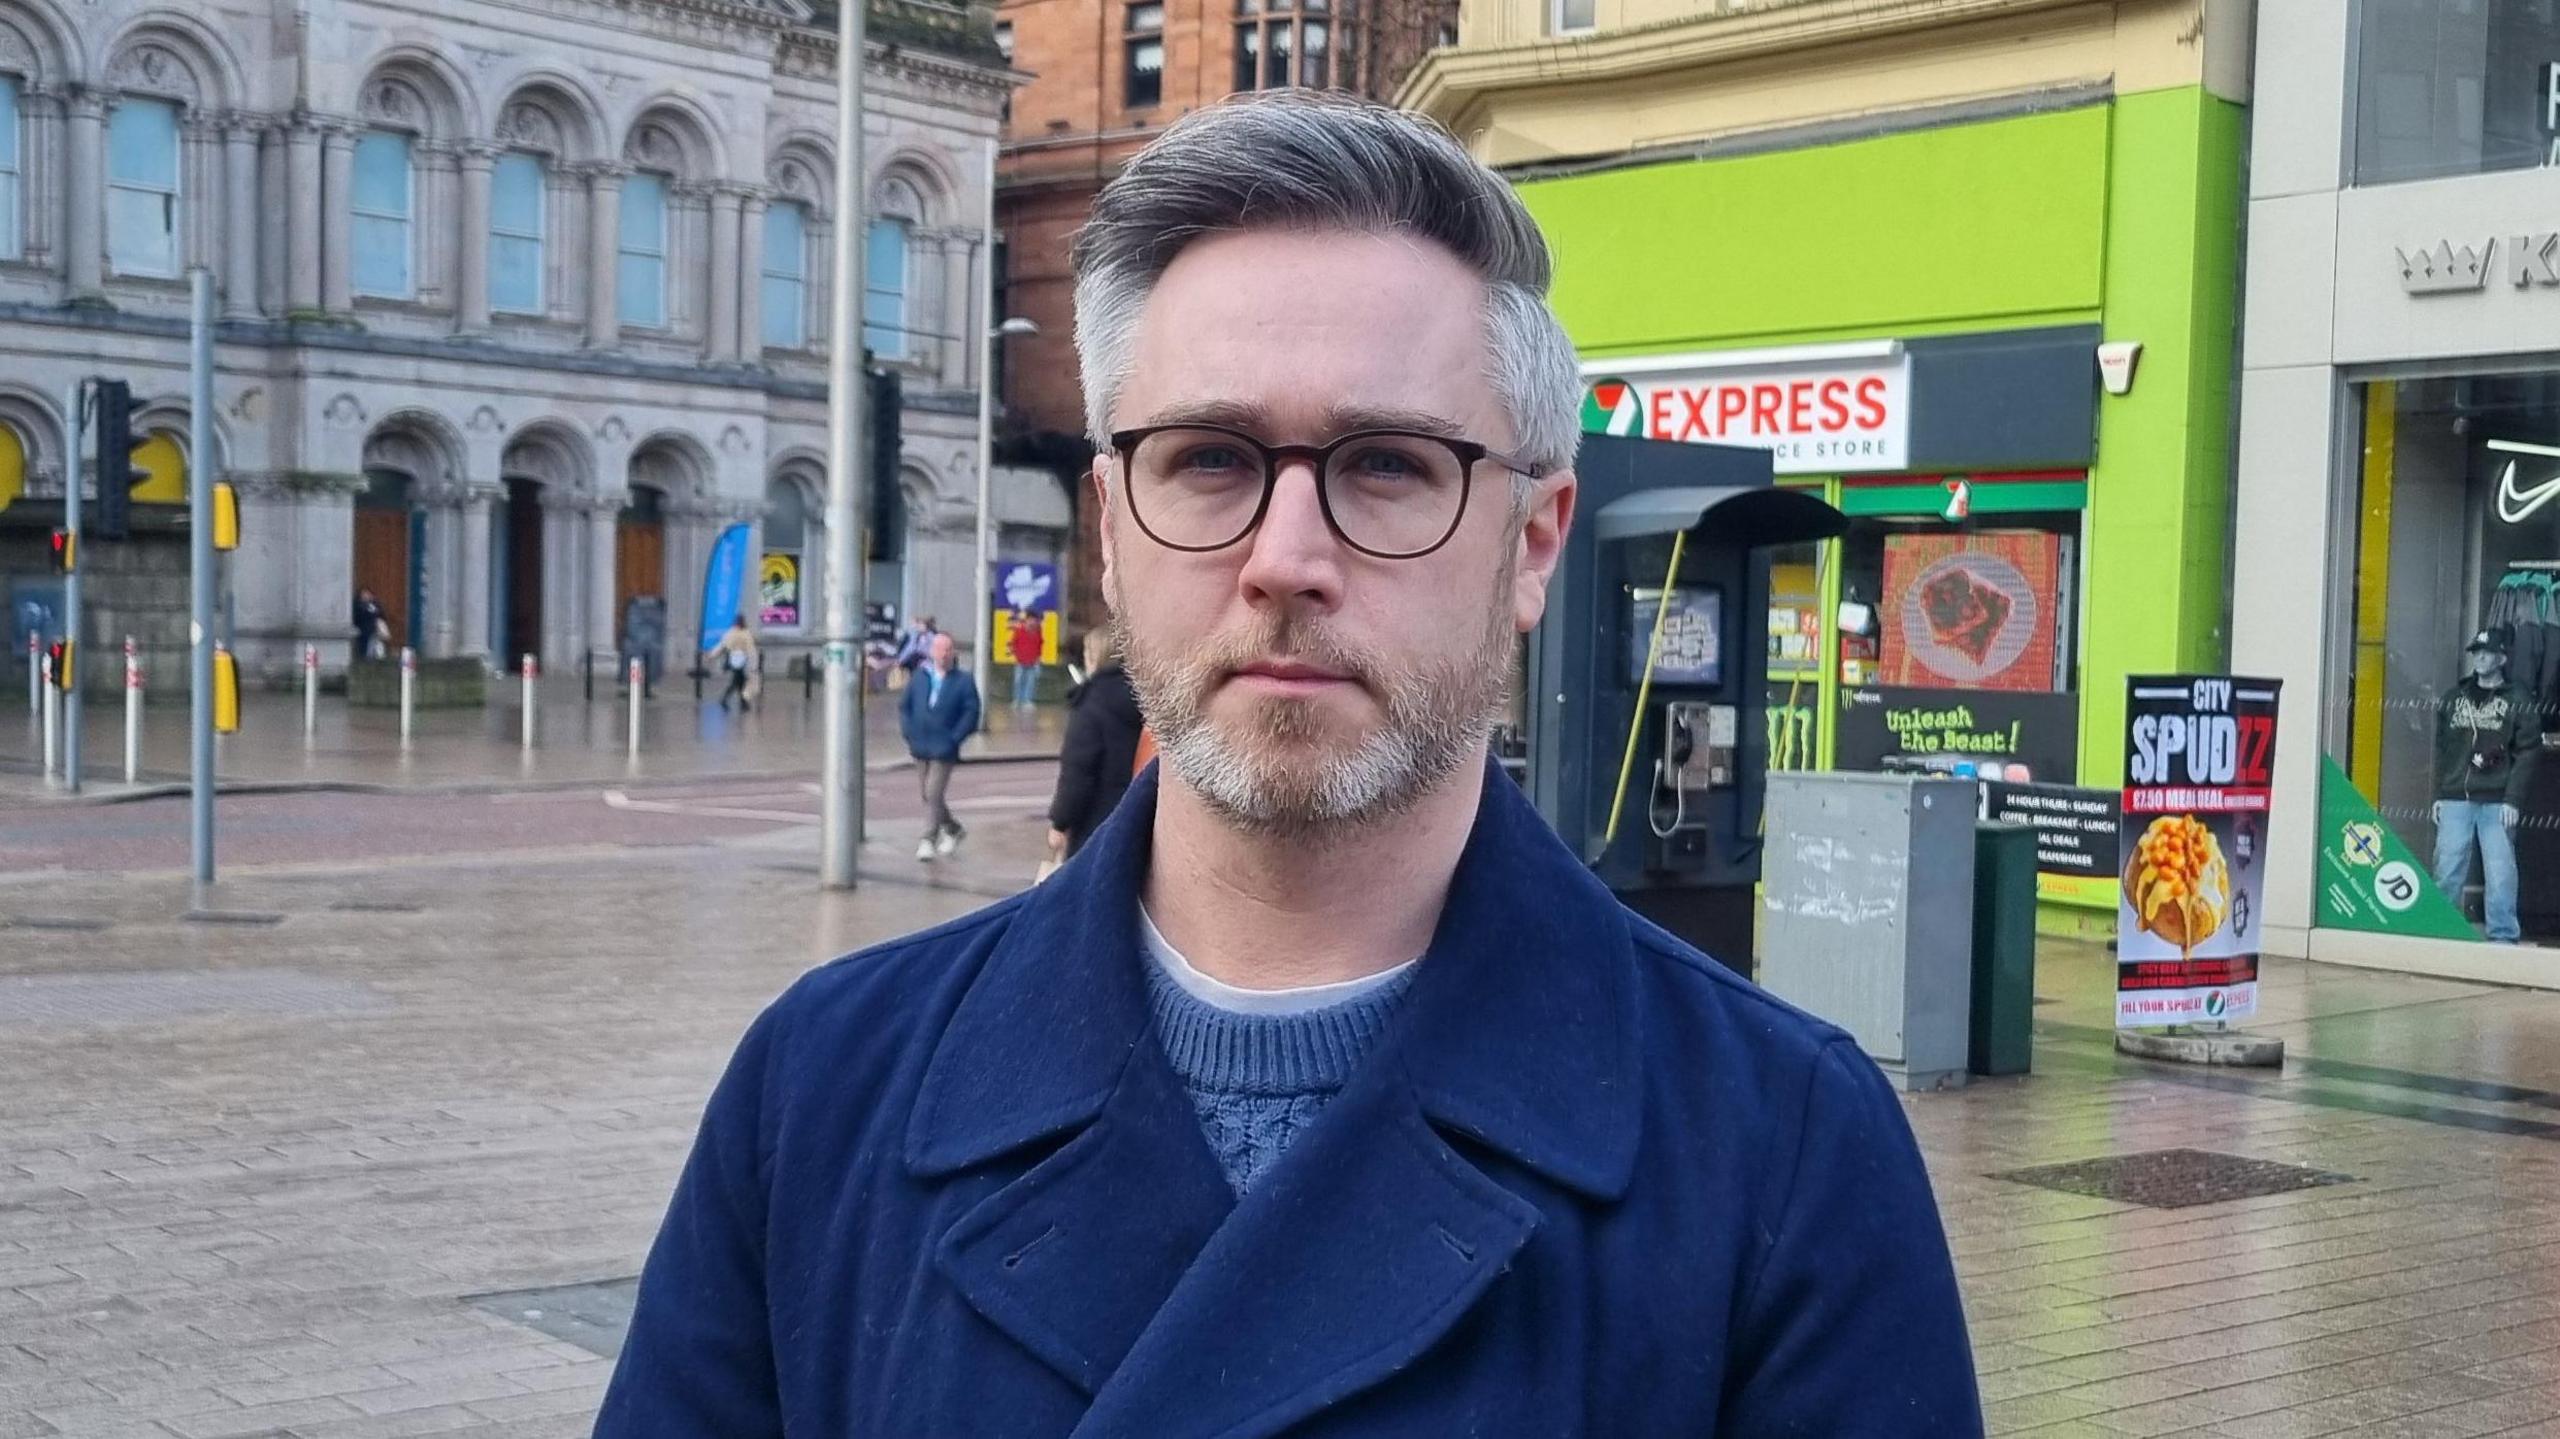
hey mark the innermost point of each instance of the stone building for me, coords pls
(521, 305)
(1101, 82)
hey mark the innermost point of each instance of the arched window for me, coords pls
(384, 200)
(786, 275)
(13, 466)
(142, 187)
(516, 214)
(884, 289)
(12, 167)
(642, 283)
(782, 575)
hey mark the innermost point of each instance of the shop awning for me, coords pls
(1753, 516)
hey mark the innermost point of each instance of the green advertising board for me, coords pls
(2369, 880)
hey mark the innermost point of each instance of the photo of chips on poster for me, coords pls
(1971, 611)
(2199, 770)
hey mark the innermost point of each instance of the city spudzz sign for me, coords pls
(2198, 772)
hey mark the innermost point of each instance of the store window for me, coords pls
(2444, 723)
(1573, 17)
(1958, 626)
(381, 203)
(2456, 87)
(516, 216)
(1142, 82)
(142, 188)
(1291, 42)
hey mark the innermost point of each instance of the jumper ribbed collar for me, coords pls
(1226, 1051)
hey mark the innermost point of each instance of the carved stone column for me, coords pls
(302, 266)
(240, 216)
(750, 277)
(604, 256)
(564, 550)
(725, 278)
(603, 512)
(472, 310)
(41, 176)
(337, 219)
(85, 194)
(474, 583)
(819, 276)
(434, 630)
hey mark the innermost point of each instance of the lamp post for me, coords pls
(984, 667)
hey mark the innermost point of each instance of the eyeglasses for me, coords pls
(1390, 494)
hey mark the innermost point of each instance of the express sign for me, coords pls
(1820, 419)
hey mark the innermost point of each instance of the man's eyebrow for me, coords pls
(1343, 419)
(1234, 414)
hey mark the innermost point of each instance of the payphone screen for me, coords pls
(1692, 635)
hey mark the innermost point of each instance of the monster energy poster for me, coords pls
(2199, 767)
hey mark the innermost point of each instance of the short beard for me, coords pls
(1278, 778)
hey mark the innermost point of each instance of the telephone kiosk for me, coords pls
(1647, 718)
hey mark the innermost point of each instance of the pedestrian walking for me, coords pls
(372, 627)
(913, 651)
(1027, 646)
(1335, 1096)
(1099, 756)
(937, 715)
(735, 657)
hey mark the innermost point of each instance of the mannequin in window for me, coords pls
(2486, 738)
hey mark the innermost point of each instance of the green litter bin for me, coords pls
(2004, 947)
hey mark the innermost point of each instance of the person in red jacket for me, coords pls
(1026, 660)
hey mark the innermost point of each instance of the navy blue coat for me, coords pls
(1589, 1183)
(934, 725)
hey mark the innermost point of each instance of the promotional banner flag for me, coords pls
(2199, 767)
(721, 581)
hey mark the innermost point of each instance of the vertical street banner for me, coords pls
(2199, 769)
(722, 577)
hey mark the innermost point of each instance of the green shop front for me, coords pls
(2003, 348)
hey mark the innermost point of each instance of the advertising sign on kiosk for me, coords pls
(2199, 767)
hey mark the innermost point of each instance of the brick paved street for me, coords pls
(250, 1173)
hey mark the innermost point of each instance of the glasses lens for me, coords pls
(1195, 488)
(1395, 494)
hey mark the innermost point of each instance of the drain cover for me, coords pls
(592, 1316)
(146, 995)
(2175, 1178)
(67, 923)
(378, 906)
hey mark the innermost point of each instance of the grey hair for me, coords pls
(1307, 159)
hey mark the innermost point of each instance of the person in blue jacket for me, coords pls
(937, 716)
(1325, 1092)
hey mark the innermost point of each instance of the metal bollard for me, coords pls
(35, 676)
(408, 692)
(310, 691)
(808, 675)
(132, 712)
(531, 670)
(51, 707)
(636, 694)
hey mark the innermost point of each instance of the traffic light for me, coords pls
(61, 653)
(117, 476)
(888, 518)
(63, 558)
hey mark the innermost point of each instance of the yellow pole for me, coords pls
(1644, 692)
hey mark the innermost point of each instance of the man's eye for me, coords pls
(1212, 459)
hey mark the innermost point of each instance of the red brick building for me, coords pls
(1107, 76)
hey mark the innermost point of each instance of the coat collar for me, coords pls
(1519, 1032)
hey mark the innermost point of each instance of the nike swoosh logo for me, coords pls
(2515, 505)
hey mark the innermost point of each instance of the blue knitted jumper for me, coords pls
(1258, 1080)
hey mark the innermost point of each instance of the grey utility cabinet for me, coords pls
(1867, 914)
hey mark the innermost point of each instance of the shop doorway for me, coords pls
(520, 569)
(387, 549)
(639, 557)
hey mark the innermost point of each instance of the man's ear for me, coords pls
(1540, 546)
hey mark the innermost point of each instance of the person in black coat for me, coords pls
(1101, 749)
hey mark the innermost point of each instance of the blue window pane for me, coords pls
(644, 215)
(10, 167)
(382, 257)
(142, 144)
(382, 174)
(642, 290)
(515, 275)
(786, 241)
(142, 232)
(785, 304)
(884, 296)
(515, 195)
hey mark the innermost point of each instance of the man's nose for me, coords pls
(1293, 557)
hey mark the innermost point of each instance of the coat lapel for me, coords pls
(1374, 1236)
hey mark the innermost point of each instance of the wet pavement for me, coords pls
(264, 1154)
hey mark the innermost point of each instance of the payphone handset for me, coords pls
(1698, 742)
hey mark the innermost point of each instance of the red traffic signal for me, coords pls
(61, 653)
(62, 556)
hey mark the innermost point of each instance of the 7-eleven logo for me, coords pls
(1611, 407)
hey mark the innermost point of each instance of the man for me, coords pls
(1325, 1092)
(2487, 736)
(735, 654)
(372, 626)
(938, 714)
(1027, 647)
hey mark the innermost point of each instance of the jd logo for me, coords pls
(2396, 886)
(1611, 407)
